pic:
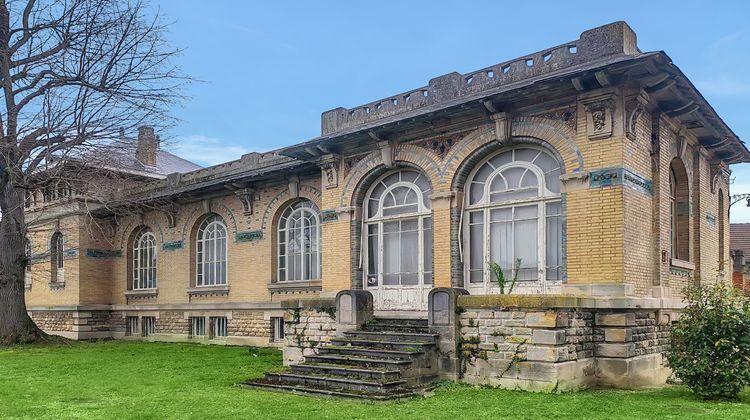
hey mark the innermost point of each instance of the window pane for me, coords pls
(427, 250)
(476, 246)
(554, 242)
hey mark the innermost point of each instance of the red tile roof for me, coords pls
(739, 237)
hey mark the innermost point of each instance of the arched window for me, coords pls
(57, 262)
(679, 211)
(513, 217)
(144, 260)
(29, 254)
(299, 242)
(398, 231)
(211, 252)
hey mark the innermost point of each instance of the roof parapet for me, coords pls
(609, 40)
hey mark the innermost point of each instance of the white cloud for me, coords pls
(205, 151)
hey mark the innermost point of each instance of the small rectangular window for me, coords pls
(218, 326)
(131, 326)
(148, 326)
(197, 326)
(277, 328)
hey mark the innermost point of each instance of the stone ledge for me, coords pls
(141, 293)
(472, 302)
(296, 286)
(312, 303)
(222, 290)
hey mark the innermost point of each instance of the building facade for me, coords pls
(594, 175)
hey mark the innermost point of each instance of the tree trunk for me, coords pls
(16, 327)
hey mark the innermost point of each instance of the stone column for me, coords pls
(353, 308)
(442, 319)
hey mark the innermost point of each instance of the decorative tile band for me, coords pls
(103, 253)
(249, 236)
(620, 176)
(328, 216)
(172, 246)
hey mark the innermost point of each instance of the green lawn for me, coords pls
(154, 380)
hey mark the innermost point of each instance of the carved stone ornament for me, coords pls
(599, 118)
(719, 171)
(633, 110)
(294, 186)
(503, 128)
(329, 165)
(247, 198)
(171, 212)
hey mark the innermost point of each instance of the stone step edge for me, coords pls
(338, 379)
(361, 359)
(306, 365)
(383, 342)
(371, 350)
(397, 333)
(302, 390)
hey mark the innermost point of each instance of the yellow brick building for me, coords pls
(589, 170)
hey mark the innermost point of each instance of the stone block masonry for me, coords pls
(559, 344)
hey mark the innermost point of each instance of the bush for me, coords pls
(710, 349)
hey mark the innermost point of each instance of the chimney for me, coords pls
(148, 144)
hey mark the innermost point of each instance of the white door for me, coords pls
(397, 242)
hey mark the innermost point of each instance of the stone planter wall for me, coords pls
(308, 325)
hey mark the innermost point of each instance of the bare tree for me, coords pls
(73, 74)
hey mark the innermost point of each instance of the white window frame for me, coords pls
(131, 326)
(219, 326)
(302, 208)
(144, 271)
(485, 205)
(57, 257)
(277, 326)
(423, 212)
(218, 241)
(148, 326)
(197, 326)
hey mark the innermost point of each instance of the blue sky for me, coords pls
(268, 69)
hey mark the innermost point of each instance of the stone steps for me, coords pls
(387, 359)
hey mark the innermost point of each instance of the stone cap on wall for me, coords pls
(605, 41)
(566, 301)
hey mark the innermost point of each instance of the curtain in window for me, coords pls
(211, 248)
(144, 260)
(299, 242)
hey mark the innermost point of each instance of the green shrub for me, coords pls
(710, 346)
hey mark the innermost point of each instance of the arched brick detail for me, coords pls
(561, 137)
(555, 135)
(197, 213)
(408, 155)
(305, 191)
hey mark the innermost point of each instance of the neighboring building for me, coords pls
(739, 246)
(594, 173)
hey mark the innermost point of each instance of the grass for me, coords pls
(157, 380)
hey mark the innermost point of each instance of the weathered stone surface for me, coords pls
(615, 319)
(549, 337)
(548, 319)
(615, 350)
(618, 334)
(547, 353)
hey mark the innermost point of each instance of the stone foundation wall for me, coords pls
(306, 329)
(53, 320)
(559, 343)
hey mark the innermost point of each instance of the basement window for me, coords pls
(131, 326)
(197, 327)
(218, 326)
(277, 328)
(148, 325)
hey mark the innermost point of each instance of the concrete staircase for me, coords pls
(386, 359)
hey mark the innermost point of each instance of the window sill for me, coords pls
(142, 293)
(221, 290)
(296, 286)
(684, 265)
(56, 285)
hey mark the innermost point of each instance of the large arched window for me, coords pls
(679, 211)
(144, 260)
(299, 242)
(398, 231)
(513, 218)
(57, 261)
(211, 252)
